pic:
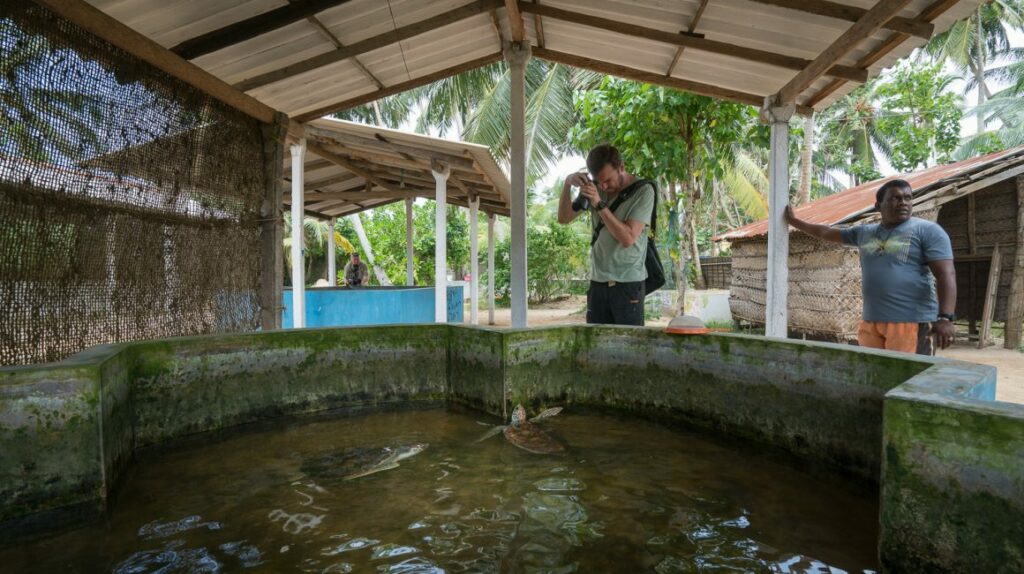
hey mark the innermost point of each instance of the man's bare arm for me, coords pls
(945, 287)
(565, 211)
(823, 232)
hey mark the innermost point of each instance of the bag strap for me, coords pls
(623, 197)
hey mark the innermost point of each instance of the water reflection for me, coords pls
(628, 497)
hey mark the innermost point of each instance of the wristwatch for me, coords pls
(947, 316)
(601, 205)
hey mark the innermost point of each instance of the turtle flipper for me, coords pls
(372, 471)
(494, 430)
(548, 413)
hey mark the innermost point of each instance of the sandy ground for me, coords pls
(1009, 364)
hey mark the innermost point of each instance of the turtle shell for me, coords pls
(532, 438)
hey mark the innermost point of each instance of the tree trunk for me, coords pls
(691, 231)
(806, 165)
(1015, 311)
(679, 262)
(715, 191)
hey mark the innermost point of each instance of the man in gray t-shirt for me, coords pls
(898, 258)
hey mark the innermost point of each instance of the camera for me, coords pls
(581, 202)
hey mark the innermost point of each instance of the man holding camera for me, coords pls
(621, 206)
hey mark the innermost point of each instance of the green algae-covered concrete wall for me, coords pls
(952, 485)
(950, 477)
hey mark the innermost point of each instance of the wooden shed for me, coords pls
(980, 204)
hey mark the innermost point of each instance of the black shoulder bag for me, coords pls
(655, 270)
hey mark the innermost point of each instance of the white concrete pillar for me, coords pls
(517, 55)
(490, 269)
(332, 257)
(474, 264)
(409, 276)
(441, 172)
(776, 311)
(298, 234)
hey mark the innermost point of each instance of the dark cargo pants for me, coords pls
(616, 303)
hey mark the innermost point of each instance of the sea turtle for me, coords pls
(360, 461)
(526, 435)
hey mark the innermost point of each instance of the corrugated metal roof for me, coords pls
(850, 204)
(739, 22)
(399, 162)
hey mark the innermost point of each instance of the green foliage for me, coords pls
(558, 254)
(921, 118)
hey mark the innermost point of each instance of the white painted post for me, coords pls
(490, 269)
(517, 55)
(474, 264)
(332, 261)
(776, 311)
(441, 172)
(298, 214)
(408, 242)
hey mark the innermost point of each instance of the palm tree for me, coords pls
(1006, 105)
(850, 140)
(971, 43)
(314, 241)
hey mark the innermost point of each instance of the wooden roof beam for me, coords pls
(690, 29)
(868, 24)
(251, 27)
(333, 157)
(538, 26)
(515, 21)
(367, 45)
(656, 79)
(908, 26)
(316, 23)
(497, 29)
(694, 42)
(929, 14)
(398, 88)
(329, 137)
(357, 195)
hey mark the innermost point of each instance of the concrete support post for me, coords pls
(776, 311)
(474, 264)
(298, 234)
(441, 172)
(409, 276)
(517, 55)
(490, 269)
(332, 255)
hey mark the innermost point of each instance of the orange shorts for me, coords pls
(901, 337)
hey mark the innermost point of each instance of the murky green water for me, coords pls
(628, 497)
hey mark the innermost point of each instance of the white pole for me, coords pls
(298, 214)
(332, 263)
(490, 269)
(776, 312)
(474, 264)
(408, 242)
(517, 55)
(441, 172)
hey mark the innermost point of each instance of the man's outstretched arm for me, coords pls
(823, 232)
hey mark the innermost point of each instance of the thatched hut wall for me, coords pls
(995, 217)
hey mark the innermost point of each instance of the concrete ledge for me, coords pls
(952, 479)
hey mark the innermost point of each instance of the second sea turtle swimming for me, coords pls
(358, 462)
(523, 433)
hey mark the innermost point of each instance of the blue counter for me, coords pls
(344, 306)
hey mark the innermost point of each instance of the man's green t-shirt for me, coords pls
(610, 261)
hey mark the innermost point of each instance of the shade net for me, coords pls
(129, 201)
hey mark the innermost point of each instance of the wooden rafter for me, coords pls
(656, 79)
(868, 24)
(316, 133)
(367, 45)
(691, 29)
(109, 29)
(515, 20)
(908, 26)
(539, 26)
(333, 157)
(251, 27)
(497, 29)
(928, 15)
(397, 88)
(316, 23)
(694, 42)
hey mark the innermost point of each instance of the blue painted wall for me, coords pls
(342, 306)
